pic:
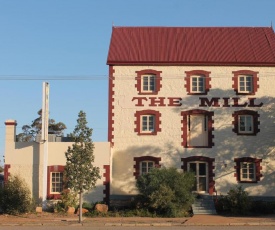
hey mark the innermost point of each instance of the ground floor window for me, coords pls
(144, 164)
(55, 181)
(248, 169)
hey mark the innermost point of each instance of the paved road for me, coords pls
(48, 227)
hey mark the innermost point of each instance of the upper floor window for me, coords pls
(246, 122)
(144, 164)
(148, 81)
(245, 82)
(197, 82)
(248, 169)
(147, 122)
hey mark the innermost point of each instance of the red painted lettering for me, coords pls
(174, 101)
(156, 101)
(139, 100)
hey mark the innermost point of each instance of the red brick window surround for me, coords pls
(246, 122)
(211, 167)
(147, 122)
(197, 82)
(248, 169)
(197, 128)
(148, 82)
(55, 181)
(245, 82)
(145, 163)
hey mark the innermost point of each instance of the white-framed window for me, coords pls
(197, 84)
(148, 83)
(245, 124)
(147, 123)
(146, 166)
(247, 171)
(245, 84)
(56, 182)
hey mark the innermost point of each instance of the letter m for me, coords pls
(214, 102)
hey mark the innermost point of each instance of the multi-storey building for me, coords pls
(198, 99)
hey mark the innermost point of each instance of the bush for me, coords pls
(68, 199)
(236, 202)
(15, 197)
(166, 192)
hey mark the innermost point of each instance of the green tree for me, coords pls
(166, 191)
(29, 132)
(15, 197)
(80, 173)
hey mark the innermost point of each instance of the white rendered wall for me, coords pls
(26, 160)
(167, 143)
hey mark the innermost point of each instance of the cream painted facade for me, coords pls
(167, 143)
(26, 160)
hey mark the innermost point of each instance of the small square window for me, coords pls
(197, 84)
(247, 171)
(246, 124)
(148, 123)
(148, 83)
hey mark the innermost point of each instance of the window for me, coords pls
(245, 82)
(198, 85)
(56, 182)
(197, 129)
(148, 82)
(246, 122)
(197, 82)
(144, 164)
(147, 122)
(248, 169)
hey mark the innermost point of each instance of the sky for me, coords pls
(65, 43)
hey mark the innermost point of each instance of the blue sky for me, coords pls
(45, 40)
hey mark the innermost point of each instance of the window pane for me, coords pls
(202, 169)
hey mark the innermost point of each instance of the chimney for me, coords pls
(10, 131)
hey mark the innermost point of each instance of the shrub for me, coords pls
(68, 199)
(166, 191)
(15, 197)
(237, 202)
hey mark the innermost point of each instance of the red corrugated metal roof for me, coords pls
(192, 46)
